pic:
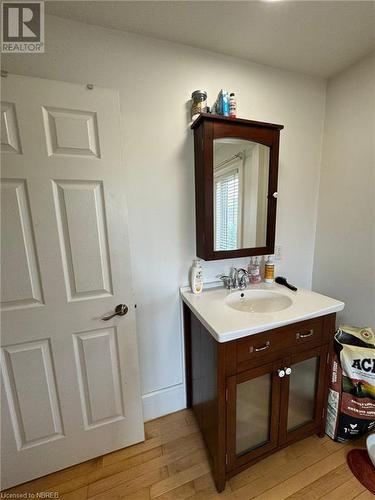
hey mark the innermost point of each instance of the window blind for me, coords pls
(226, 210)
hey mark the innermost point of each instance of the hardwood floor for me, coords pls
(172, 465)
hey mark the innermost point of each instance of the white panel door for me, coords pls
(70, 381)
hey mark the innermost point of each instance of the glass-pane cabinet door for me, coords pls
(302, 390)
(253, 412)
(253, 404)
(302, 394)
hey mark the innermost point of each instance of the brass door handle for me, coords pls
(120, 310)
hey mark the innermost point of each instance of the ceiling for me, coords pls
(315, 37)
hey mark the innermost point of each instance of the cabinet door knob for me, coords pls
(281, 373)
(275, 194)
(288, 370)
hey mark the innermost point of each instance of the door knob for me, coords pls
(281, 373)
(288, 370)
(120, 310)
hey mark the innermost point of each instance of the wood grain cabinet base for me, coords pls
(260, 393)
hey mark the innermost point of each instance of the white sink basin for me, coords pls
(228, 316)
(258, 301)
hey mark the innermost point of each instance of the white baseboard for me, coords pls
(159, 403)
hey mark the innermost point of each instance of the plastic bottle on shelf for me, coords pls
(232, 105)
(225, 102)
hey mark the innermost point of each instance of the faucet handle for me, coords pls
(234, 277)
(244, 279)
(242, 270)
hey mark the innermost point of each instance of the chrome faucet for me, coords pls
(237, 279)
(234, 278)
(243, 278)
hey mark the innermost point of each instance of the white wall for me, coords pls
(344, 265)
(155, 79)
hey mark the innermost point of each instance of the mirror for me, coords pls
(236, 165)
(240, 193)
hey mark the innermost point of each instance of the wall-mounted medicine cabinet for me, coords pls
(236, 167)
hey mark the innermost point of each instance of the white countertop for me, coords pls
(226, 323)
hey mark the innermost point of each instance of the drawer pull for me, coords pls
(305, 335)
(258, 349)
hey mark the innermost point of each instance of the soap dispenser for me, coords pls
(255, 276)
(250, 266)
(196, 277)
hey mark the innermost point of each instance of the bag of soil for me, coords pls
(351, 395)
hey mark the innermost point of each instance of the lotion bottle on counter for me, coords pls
(269, 270)
(196, 277)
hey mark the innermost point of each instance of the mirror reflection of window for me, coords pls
(227, 209)
(241, 170)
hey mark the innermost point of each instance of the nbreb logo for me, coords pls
(22, 27)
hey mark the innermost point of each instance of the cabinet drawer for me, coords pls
(280, 339)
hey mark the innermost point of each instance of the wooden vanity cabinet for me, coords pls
(244, 408)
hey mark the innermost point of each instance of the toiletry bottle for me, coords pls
(269, 270)
(196, 277)
(225, 97)
(250, 266)
(218, 105)
(255, 272)
(232, 106)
